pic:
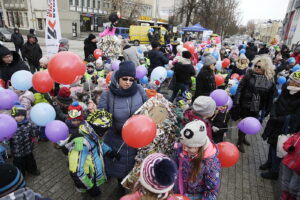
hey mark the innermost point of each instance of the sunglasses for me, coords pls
(257, 66)
(128, 79)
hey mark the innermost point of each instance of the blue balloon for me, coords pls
(279, 91)
(296, 68)
(233, 89)
(21, 80)
(216, 55)
(144, 80)
(199, 66)
(170, 73)
(219, 65)
(140, 51)
(244, 46)
(242, 51)
(291, 60)
(281, 80)
(42, 113)
(181, 32)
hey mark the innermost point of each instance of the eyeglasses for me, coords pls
(257, 66)
(128, 79)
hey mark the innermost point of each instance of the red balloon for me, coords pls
(219, 80)
(235, 76)
(181, 197)
(98, 53)
(108, 77)
(66, 67)
(190, 47)
(228, 154)
(225, 63)
(42, 82)
(139, 131)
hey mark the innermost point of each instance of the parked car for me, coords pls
(5, 34)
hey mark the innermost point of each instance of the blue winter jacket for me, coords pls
(122, 108)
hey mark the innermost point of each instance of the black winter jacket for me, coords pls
(32, 53)
(17, 39)
(89, 48)
(255, 92)
(205, 82)
(7, 70)
(183, 73)
(157, 59)
(286, 109)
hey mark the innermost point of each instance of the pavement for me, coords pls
(240, 182)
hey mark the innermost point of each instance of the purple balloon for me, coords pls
(249, 125)
(7, 99)
(229, 103)
(220, 97)
(141, 71)
(56, 131)
(8, 127)
(115, 65)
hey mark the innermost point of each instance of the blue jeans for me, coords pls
(178, 86)
(273, 160)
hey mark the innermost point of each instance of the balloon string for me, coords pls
(233, 127)
(119, 149)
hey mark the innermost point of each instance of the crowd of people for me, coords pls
(264, 83)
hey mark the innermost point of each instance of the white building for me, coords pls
(291, 24)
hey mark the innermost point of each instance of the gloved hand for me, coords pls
(114, 155)
(94, 191)
(215, 129)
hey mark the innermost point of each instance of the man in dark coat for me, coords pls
(89, 46)
(10, 62)
(251, 51)
(17, 39)
(156, 57)
(32, 52)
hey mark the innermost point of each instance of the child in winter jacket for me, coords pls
(26, 98)
(198, 165)
(86, 150)
(203, 109)
(157, 178)
(290, 180)
(220, 123)
(21, 143)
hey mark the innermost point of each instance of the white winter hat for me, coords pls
(204, 106)
(194, 134)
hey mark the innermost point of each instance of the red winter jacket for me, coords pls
(292, 159)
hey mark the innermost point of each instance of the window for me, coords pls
(99, 4)
(40, 23)
(70, 2)
(76, 3)
(93, 4)
(88, 3)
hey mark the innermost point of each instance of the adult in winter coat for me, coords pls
(183, 71)
(254, 94)
(10, 62)
(156, 57)
(89, 46)
(32, 31)
(205, 81)
(263, 49)
(32, 52)
(241, 66)
(284, 119)
(251, 51)
(122, 99)
(17, 39)
(130, 54)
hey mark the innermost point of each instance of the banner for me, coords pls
(52, 32)
(206, 35)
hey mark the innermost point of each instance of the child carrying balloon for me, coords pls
(21, 144)
(220, 123)
(198, 166)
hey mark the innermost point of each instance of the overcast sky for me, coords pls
(263, 9)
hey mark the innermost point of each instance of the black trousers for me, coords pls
(26, 163)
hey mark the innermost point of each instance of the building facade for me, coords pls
(291, 24)
(267, 30)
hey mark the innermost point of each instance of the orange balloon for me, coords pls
(181, 197)
(228, 154)
(108, 78)
(66, 67)
(235, 76)
(139, 131)
(225, 63)
(97, 53)
(190, 47)
(219, 80)
(42, 82)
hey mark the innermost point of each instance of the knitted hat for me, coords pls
(11, 179)
(204, 106)
(194, 134)
(158, 173)
(126, 68)
(186, 54)
(4, 51)
(90, 64)
(64, 92)
(63, 45)
(100, 120)
(91, 37)
(243, 57)
(295, 76)
(75, 111)
(44, 60)
(30, 35)
(18, 110)
(155, 44)
(209, 60)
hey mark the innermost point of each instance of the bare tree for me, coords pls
(250, 27)
(187, 9)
